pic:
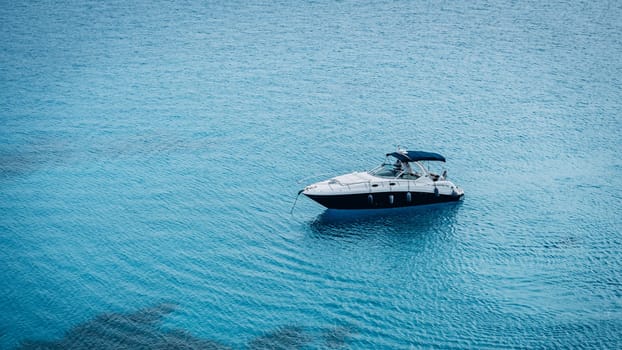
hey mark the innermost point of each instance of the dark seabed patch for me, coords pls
(26, 158)
(141, 330)
(138, 330)
(287, 337)
(336, 338)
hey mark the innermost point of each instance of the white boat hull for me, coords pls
(364, 191)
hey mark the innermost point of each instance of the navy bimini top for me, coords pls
(414, 156)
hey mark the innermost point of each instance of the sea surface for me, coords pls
(151, 153)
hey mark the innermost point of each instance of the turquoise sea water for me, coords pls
(150, 153)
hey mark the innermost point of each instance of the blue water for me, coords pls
(150, 154)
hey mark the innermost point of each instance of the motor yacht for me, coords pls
(402, 180)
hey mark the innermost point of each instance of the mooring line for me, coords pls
(295, 200)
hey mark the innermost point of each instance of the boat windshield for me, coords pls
(386, 170)
(402, 170)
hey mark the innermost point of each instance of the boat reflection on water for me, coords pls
(398, 221)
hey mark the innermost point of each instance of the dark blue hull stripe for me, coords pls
(381, 200)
